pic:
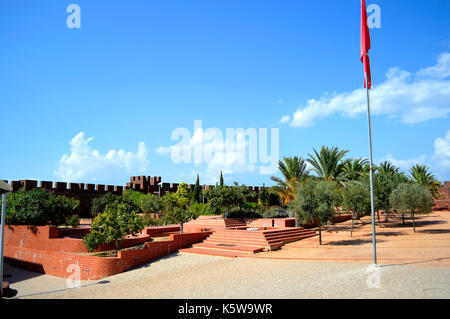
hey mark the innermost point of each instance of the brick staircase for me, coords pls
(235, 243)
(213, 223)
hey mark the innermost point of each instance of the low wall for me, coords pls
(271, 222)
(50, 238)
(160, 231)
(56, 263)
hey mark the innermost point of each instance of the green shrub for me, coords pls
(99, 203)
(39, 207)
(148, 220)
(151, 204)
(274, 212)
(73, 221)
(118, 221)
(133, 198)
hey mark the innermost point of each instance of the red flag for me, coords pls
(365, 44)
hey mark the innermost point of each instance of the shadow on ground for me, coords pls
(352, 242)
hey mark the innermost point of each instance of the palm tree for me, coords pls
(294, 171)
(329, 164)
(387, 168)
(356, 168)
(421, 174)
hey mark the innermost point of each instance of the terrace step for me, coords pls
(228, 247)
(212, 252)
(238, 242)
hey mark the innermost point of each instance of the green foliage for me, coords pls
(315, 201)
(176, 209)
(196, 192)
(264, 196)
(182, 194)
(39, 207)
(329, 164)
(383, 185)
(151, 203)
(99, 203)
(221, 179)
(422, 175)
(149, 220)
(229, 197)
(412, 198)
(387, 168)
(119, 220)
(294, 171)
(133, 198)
(73, 221)
(274, 213)
(356, 199)
(356, 168)
(201, 209)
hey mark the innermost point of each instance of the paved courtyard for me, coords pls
(411, 266)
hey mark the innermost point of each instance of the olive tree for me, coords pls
(315, 202)
(412, 198)
(356, 200)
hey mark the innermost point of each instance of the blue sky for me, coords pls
(99, 103)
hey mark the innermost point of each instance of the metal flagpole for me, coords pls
(374, 240)
(2, 239)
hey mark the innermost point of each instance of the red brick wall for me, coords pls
(46, 238)
(55, 263)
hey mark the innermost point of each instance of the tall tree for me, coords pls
(294, 171)
(356, 168)
(196, 191)
(387, 168)
(221, 179)
(421, 174)
(329, 164)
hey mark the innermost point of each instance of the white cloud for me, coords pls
(439, 161)
(285, 119)
(85, 164)
(411, 99)
(441, 70)
(215, 154)
(404, 165)
(442, 153)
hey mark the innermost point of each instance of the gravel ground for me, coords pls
(197, 276)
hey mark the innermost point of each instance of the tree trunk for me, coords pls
(403, 218)
(224, 213)
(414, 224)
(351, 229)
(117, 245)
(379, 222)
(320, 235)
(181, 228)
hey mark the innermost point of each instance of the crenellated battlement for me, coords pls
(85, 192)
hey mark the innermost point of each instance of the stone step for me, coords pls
(212, 252)
(281, 236)
(228, 246)
(238, 242)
